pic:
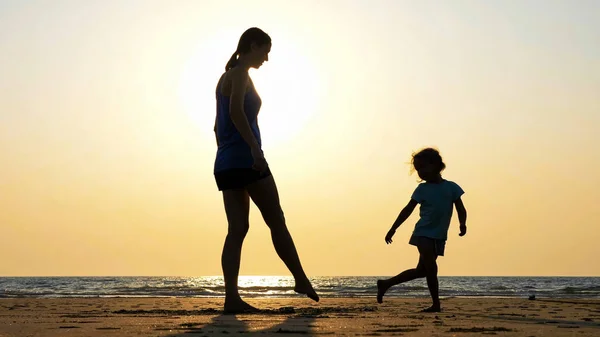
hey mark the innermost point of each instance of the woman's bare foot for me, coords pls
(381, 289)
(306, 289)
(238, 306)
(433, 308)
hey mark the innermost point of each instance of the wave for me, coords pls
(283, 287)
(580, 290)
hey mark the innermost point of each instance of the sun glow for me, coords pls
(289, 86)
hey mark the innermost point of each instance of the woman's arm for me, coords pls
(239, 82)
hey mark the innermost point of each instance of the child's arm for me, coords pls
(404, 214)
(462, 216)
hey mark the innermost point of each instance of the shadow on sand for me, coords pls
(233, 325)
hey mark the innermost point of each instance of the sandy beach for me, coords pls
(332, 316)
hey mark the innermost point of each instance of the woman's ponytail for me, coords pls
(232, 61)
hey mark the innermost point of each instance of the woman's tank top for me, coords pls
(233, 151)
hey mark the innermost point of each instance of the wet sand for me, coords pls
(187, 317)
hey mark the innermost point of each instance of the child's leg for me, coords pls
(405, 276)
(428, 258)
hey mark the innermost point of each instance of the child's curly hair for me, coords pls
(427, 156)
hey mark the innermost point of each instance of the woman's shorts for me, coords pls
(239, 178)
(439, 245)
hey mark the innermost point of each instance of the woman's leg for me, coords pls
(265, 196)
(237, 208)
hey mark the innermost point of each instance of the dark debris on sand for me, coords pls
(397, 330)
(475, 329)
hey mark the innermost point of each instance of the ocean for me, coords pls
(282, 286)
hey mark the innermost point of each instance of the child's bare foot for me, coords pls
(433, 308)
(306, 289)
(381, 289)
(238, 306)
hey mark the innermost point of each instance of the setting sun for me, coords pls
(291, 88)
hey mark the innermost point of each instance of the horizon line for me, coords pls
(184, 276)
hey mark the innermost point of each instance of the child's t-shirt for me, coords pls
(437, 201)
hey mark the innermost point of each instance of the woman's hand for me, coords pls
(260, 163)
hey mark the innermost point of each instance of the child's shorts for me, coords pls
(439, 245)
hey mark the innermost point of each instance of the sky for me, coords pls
(107, 148)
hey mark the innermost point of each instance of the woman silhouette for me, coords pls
(242, 173)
